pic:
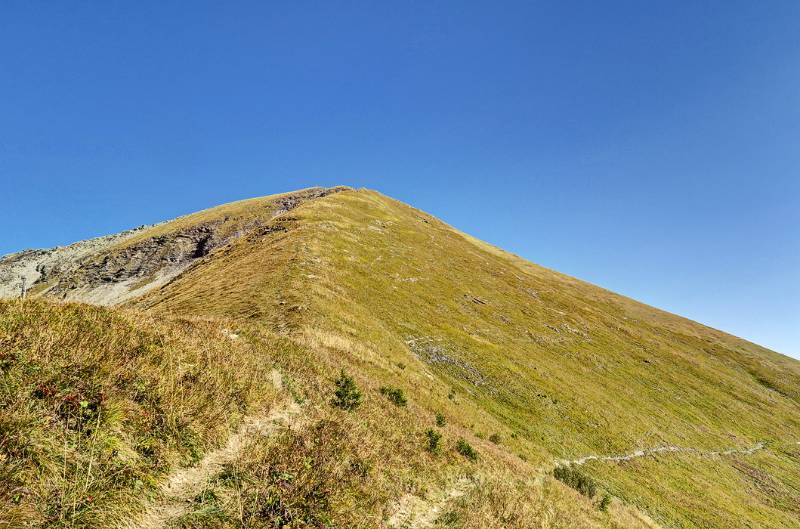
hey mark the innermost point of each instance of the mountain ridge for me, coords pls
(9, 267)
(174, 244)
(532, 368)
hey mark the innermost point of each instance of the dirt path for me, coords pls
(413, 512)
(186, 483)
(660, 450)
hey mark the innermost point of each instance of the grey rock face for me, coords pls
(107, 271)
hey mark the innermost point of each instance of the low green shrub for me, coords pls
(434, 441)
(346, 396)
(440, 420)
(395, 395)
(576, 479)
(466, 450)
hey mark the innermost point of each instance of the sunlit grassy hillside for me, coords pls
(557, 368)
(95, 405)
(104, 410)
(479, 374)
(564, 368)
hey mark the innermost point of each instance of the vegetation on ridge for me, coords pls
(358, 286)
(557, 367)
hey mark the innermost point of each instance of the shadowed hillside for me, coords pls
(493, 392)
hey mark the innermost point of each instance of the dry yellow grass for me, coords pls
(234, 216)
(527, 365)
(95, 405)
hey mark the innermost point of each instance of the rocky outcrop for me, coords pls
(31, 268)
(113, 269)
(130, 271)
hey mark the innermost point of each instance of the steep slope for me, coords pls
(678, 424)
(95, 405)
(109, 270)
(560, 369)
(565, 369)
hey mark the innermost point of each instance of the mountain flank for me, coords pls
(111, 269)
(435, 381)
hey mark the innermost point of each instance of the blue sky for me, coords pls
(652, 148)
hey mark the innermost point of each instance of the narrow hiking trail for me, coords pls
(186, 483)
(413, 512)
(660, 450)
(410, 511)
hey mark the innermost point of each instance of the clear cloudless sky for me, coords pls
(652, 148)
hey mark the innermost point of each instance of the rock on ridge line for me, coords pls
(105, 271)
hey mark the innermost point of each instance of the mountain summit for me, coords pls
(336, 358)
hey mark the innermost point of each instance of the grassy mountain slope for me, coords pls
(96, 404)
(527, 366)
(567, 368)
(112, 269)
(101, 406)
